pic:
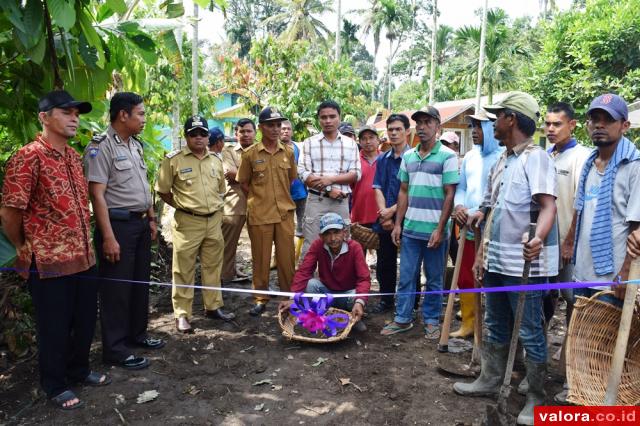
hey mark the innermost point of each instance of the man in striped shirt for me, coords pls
(331, 163)
(428, 177)
(521, 189)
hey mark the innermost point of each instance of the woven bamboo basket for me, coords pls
(591, 340)
(365, 236)
(293, 331)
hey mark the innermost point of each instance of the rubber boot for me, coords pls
(467, 305)
(299, 243)
(536, 375)
(523, 387)
(493, 361)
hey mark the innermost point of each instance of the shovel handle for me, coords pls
(617, 361)
(517, 320)
(443, 345)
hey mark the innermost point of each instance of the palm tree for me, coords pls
(503, 53)
(396, 21)
(299, 18)
(373, 17)
(349, 35)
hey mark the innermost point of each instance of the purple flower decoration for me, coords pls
(311, 314)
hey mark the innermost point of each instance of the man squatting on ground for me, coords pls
(330, 165)
(341, 269)
(521, 189)
(266, 172)
(45, 214)
(474, 173)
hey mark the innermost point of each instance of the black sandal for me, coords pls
(95, 379)
(66, 396)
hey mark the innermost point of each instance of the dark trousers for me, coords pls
(124, 306)
(387, 269)
(65, 322)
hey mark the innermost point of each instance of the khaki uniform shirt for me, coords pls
(269, 177)
(120, 166)
(235, 202)
(197, 184)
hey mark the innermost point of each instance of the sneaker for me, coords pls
(432, 332)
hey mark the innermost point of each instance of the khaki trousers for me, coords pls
(193, 236)
(231, 230)
(262, 237)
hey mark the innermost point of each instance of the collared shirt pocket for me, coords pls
(123, 170)
(259, 172)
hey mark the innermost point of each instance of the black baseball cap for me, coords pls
(196, 122)
(427, 110)
(62, 99)
(270, 114)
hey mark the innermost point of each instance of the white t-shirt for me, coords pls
(568, 165)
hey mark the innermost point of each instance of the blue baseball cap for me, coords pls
(215, 134)
(612, 104)
(331, 221)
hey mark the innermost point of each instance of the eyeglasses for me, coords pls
(198, 132)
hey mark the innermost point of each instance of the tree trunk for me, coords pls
(57, 80)
(389, 75)
(432, 77)
(194, 62)
(338, 31)
(175, 131)
(373, 74)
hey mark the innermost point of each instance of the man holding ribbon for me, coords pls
(341, 268)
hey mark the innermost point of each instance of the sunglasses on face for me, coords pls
(198, 132)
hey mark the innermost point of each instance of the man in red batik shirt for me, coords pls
(45, 214)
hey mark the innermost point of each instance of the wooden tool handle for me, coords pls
(617, 362)
(443, 345)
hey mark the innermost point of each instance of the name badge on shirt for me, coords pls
(187, 170)
(121, 158)
(259, 161)
(562, 172)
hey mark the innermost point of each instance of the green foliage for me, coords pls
(505, 53)
(589, 52)
(16, 317)
(409, 95)
(292, 78)
(300, 18)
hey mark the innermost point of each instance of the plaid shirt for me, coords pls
(518, 175)
(325, 158)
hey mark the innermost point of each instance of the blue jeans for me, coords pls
(315, 286)
(500, 309)
(588, 292)
(414, 252)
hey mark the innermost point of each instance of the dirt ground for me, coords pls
(246, 373)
